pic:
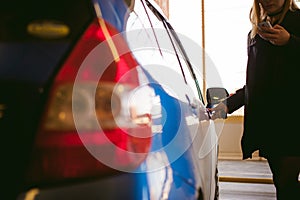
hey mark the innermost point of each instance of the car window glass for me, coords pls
(158, 48)
(180, 56)
(190, 70)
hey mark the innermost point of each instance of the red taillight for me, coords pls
(70, 143)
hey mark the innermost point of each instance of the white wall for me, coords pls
(226, 27)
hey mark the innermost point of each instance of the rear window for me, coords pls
(16, 17)
(35, 36)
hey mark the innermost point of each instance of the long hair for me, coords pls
(257, 14)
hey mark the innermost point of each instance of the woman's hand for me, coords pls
(277, 35)
(219, 111)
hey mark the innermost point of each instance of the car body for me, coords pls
(100, 101)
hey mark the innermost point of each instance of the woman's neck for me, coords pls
(276, 13)
(274, 17)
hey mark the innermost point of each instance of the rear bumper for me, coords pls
(116, 187)
(133, 186)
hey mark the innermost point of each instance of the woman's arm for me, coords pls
(236, 100)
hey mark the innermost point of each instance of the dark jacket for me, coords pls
(270, 96)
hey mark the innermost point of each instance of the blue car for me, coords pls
(101, 100)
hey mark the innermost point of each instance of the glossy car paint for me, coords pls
(184, 124)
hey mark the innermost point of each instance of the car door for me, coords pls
(189, 140)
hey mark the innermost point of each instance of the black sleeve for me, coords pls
(292, 25)
(294, 41)
(236, 100)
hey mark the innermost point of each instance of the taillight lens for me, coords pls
(92, 125)
(94, 108)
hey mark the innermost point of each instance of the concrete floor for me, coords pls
(245, 180)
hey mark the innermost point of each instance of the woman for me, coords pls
(271, 113)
